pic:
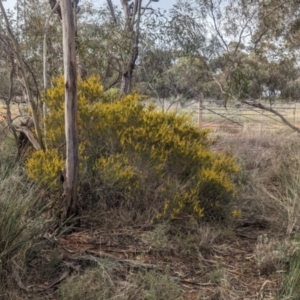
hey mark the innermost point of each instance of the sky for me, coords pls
(164, 4)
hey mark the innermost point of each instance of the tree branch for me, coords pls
(112, 11)
(273, 111)
(254, 103)
(26, 83)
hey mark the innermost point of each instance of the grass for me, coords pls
(217, 275)
(253, 116)
(94, 283)
(21, 224)
(270, 191)
(101, 283)
(291, 283)
(255, 254)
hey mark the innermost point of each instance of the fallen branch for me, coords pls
(102, 255)
(30, 137)
(41, 288)
(183, 281)
(17, 277)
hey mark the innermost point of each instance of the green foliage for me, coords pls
(291, 283)
(21, 223)
(155, 286)
(93, 284)
(134, 155)
(112, 94)
(217, 275)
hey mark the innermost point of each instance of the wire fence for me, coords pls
(241, 119)
(238, 119)
(232, 119)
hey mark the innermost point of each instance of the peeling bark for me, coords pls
(70, 74)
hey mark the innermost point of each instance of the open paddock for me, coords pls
(239, 119)
(17, 110)
(232, 119)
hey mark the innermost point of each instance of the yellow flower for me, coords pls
(236, 213)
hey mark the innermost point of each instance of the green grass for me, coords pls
(291, 283)
(21, 223)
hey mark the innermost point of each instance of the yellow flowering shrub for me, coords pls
(135, 154)
(44, 167)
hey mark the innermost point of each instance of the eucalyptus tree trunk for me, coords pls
(132, 14)
(45, 64)
(70, 75)
(55, 6)
(132, 26)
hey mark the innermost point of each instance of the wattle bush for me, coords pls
(134, 156)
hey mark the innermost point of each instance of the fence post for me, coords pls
(200, 113)
(295, 110)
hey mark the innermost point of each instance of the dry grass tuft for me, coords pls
(269, 181)
(100, 282)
